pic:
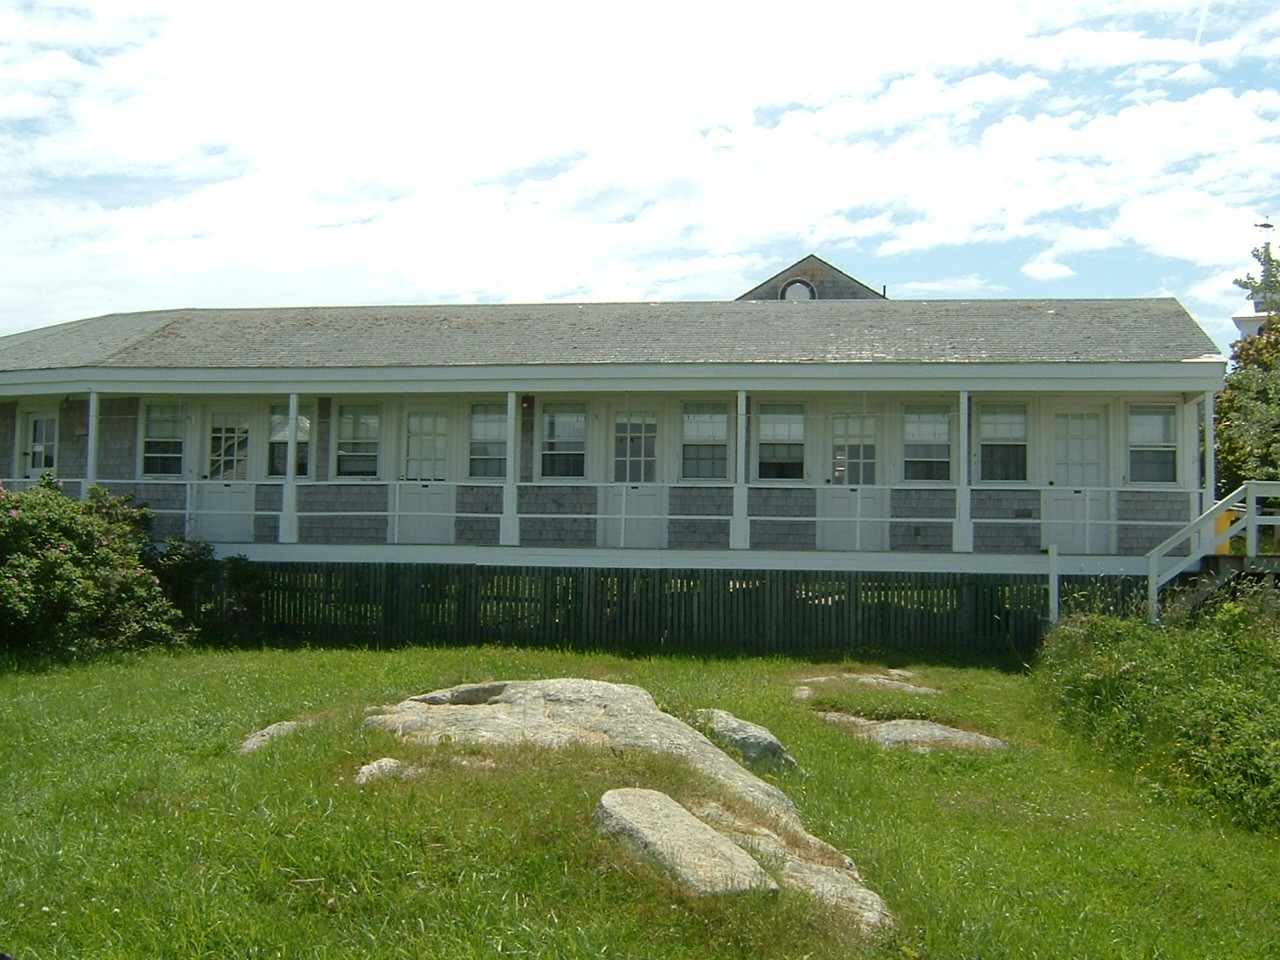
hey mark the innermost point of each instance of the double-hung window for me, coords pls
(704, 451)
(357, 445)
(780, 441)
(1153, 444)
(635, 447)
(278, 441)
(488, 450)
(926, 441)
(1002, 441)
(162, 437)
(564, 440)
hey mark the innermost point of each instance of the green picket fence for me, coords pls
(704, 612)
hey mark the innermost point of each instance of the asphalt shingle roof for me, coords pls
(878, 331)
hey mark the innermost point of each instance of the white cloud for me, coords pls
(969, 285)
(1043, 268)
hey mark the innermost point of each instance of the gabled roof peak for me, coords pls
(812, 278)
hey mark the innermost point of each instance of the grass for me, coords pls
(130, 826)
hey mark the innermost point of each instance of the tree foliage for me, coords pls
(74, 577)
(1248, 409)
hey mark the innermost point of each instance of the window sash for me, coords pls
(704, 453)
(487, 454)
(926, 448)
(1153, 447)
(564, 440)
(357, 445)
(162, 443)
(1002, 442)
(278, 441)
(426, 445)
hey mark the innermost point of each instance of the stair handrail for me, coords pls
(1248, 494)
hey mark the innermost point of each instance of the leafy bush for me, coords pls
(222, 598)
(1193, 708)
(73, 578)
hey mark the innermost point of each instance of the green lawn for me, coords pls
(130, 827)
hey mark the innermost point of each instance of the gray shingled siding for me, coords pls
(160, 496)
(685, 534)
(268, 499)
(1005, 505)
(73, 438)
(478, 531)
(320, 438)
(479, 499)
(1148, 517)
(577, 526)
(8, 429)
(359, 529)
(557, 531)
(569, 500)
(1006, 538)
(783, 534)
(764, 502)
(926, 529)
(118, 438)
(700, 502)
(347, 498)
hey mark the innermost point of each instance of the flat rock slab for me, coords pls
(758, 746)
(258, 740)
(889, 680)
(703, 860)
(919, 735)
(555, 713)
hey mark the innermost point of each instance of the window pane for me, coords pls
(488, 451)
(278, 436)
(357, 446)
(1153, 466)
(564, 440)
(1150, 425)
(705, 433)
(635, 447)
(162, 439)
(1004, 461)
(926, 470)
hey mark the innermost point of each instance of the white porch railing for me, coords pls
(1206, 534)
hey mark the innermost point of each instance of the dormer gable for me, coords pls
(812, 278)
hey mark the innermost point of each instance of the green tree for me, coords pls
(73, 578)
(1248, 409)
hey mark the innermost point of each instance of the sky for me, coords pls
(158, 155)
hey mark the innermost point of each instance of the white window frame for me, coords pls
(179, 415)
(994, 429)
(278, 426)
(482, 445)
(1169, 444)
(706, 408)
(921, 410)
(562, 442)
(786, 432)
(369, 447)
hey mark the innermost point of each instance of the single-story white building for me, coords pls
(813, 424)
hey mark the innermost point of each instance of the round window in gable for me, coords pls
(798, 290)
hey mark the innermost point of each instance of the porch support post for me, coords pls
(962, 538)
(509, 525)
(91, 438)
(1055, 585)
(1209, 496)
(740, 525)
(288, 532)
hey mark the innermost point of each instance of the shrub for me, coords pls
(73, 577)
(1193, 708)
(222, 598)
